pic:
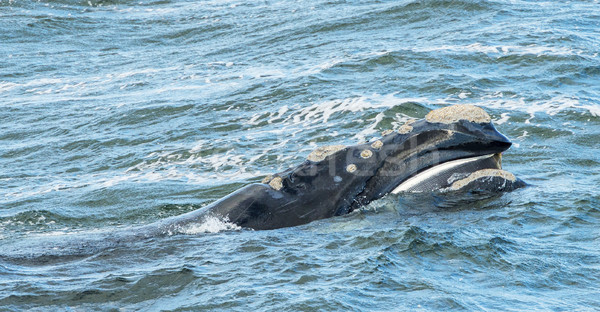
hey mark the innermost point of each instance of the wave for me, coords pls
(61, 246)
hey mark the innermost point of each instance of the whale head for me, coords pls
(448, 145)
(459, 138)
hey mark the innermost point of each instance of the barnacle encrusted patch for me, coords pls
(406, 127)
(482, 174)
(366, 154)
(276, 183)
(267, 179)
(386, 132)
(454, 113)
(351, 168)
(324, 151)
(377, 144)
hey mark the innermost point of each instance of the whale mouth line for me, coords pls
(441, 174)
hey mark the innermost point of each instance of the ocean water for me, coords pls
(116, 114)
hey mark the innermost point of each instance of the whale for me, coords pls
(453, 149)
(453, 155)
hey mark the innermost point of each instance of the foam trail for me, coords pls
(210, 224)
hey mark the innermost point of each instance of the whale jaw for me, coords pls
(442, 176)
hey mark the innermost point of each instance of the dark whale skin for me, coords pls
(321, 189)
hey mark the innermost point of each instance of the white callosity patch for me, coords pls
(276, 183)
(454, 113)
(351, 168)
(386, 132)
(267, 179)
(366, 154)
(377, 144)
(482, 174)
(322, 152)
(406, 128)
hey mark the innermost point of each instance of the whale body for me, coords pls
(454, 148)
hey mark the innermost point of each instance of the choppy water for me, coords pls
(115, 114)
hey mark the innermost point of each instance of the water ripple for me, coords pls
(116, 114)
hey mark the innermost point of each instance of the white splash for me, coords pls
(146, 71)
(210, 224)
(322, 112)
(551, 106)
(524, 135)
(504, 117)
(371, 129)
(532, 49)
(7, 86)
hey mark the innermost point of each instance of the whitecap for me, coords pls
(210, 224)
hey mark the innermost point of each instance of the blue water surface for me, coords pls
(117, 113)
